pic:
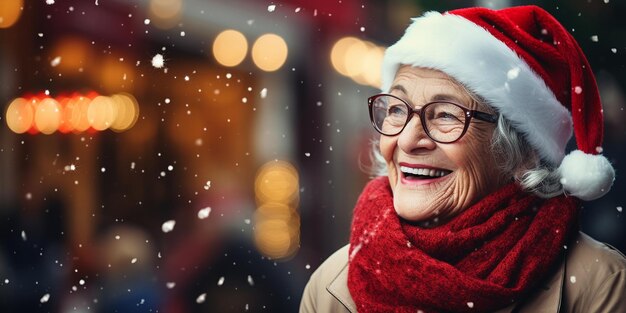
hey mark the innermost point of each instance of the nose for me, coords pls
(414, 138)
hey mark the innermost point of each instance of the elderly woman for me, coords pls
(479, 209)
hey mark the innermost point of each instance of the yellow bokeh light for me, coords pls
(339, 51)
(353, 59)
(275, 238)
(277, 223)
(277, 181)
(372, 65)
(165, 14)
(76, 113)
(64, 125)
(20, 115)
(275, 211)
(47, 116)
(360, 60)
(127, 110)
(10, 11)
(269, 52)
(101, 113)
(230, 47)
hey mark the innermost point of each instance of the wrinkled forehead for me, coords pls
(426, 84)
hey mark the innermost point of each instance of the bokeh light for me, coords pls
(127, 110)
(357, 59)
(338, 54)
(269, 52)
(230, 47)
(20, 115)
(47, 116)
(76, 113)
(165, 14)
(10, 11)
(277, 222)
(77, 108)
(101, 113)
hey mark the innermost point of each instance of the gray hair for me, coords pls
(514, 156)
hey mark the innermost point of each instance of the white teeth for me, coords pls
(423, 171)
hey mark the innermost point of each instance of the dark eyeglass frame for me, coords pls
(469, 114)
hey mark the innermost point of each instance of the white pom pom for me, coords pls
(586, 176)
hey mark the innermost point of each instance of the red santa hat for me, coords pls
(525, 64)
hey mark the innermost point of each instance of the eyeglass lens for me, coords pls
(443, 121)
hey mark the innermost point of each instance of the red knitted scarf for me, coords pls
(484, 259)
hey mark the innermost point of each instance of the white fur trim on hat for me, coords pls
(586, 176)
(491, 70)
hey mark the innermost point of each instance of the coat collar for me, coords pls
(547, 299)
(338, 287)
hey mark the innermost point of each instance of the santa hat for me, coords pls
(525, 64)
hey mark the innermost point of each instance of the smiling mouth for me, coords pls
(413, 173)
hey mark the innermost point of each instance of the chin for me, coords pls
(413, 213)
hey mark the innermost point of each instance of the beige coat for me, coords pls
(592, 279)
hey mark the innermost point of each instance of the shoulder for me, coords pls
(593, 259)
(331, 267)
(326, 290)
(595, 277)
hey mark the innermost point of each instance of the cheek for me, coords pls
(479, 166)
(387, 147)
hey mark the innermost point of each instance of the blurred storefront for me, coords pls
(195, 155)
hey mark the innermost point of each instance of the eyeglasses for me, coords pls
(443, 121)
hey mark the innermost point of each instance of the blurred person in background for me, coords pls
(479, 210)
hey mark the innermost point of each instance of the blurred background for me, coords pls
(205, 156)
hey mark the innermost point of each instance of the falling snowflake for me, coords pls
(168, 226)
(207, 185)
(45, 298)
(578, 90)
(50, 2)
(572, 279)
(470, 304)
(56, 61)
(158, 61)
(614, 50)
(271, 8)
(513, 73)
(146, 21)
(204, 213)
(263, 93)
(24, 235)
(133, 261)
(619, 209)
(220, 281)
(201, 298)
(307, 266)
(250, 281)
(594, 38)
(170, 285)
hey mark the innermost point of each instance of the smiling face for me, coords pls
(450, 177)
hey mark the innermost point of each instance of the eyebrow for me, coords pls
(437, 97)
